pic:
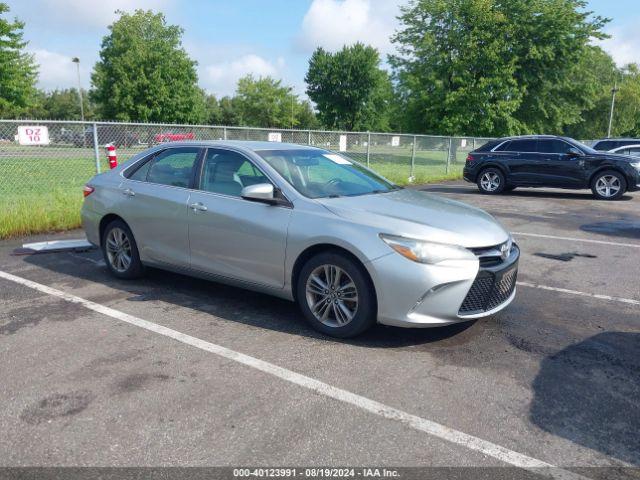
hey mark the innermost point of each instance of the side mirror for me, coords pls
(574, 152)
(262, 192)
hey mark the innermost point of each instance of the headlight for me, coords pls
(636, 165)
(426, 252)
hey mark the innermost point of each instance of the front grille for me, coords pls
(486, 293)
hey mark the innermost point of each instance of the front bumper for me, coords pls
(414, 295)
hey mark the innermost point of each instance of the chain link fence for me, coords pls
(46, 163)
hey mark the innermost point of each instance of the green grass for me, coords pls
(41, 188)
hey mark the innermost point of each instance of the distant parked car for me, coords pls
(106, 134)
(609, 144)
(173, 137)
(633, 150)
(549, 161)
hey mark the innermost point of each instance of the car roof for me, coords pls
(619, 140)
(245, 144)
(531, 137)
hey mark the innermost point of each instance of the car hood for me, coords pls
(417, 214)
(617, 157)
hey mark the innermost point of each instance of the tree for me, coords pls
(144, 74)
(18, 71)
(493, 67)
(349, 89)
(64, 104)
(229, 114)
(265, 102)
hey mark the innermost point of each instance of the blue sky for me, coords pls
(232, 38)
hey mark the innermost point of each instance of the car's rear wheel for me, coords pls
(491, 181)
(120, 251)
(608, 185)
(336, 296)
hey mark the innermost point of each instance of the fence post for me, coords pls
(224, 132)
(96, 150)
(309, 137)
(368, 147)
(413, 160)
(474, 143)
(449, 155)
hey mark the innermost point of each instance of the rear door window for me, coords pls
(553, 146)
(173, 167)
(504, 147)
(525, 146)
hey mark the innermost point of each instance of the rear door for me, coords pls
(523, 161)
(230, 236)
(154, 203)
(560, 169)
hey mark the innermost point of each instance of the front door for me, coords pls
(558, 167)
(154, 204)
(230, 236)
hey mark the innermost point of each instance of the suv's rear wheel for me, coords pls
(491, 181)
(608, 185)
(120, 251)
(336, 296)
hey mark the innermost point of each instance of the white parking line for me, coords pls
(573, 239)
(418, 423)
(582, 294)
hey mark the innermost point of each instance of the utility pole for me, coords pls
(76, 60)
(614, 90)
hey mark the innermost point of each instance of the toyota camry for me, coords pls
(304, 224)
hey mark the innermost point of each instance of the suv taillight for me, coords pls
(87, 190)
(470, 158)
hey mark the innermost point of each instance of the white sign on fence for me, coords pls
(33, 135)
(343, 143)
(395, 141)
(463, 143)
(275, 137)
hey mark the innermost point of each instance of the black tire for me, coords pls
(604, 177)
(134, 267)
(499, 184)
(364, 311)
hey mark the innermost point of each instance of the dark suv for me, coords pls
(549, 161)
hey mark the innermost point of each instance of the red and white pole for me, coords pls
(112, 156)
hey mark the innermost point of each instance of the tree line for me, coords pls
(460, 67)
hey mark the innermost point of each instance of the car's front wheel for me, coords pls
(608, 185)
(336, 295)
(491, 181)
(120, 251)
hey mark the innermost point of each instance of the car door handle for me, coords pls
(128, 192)
(198, 207)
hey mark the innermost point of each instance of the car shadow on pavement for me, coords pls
(520, 192)
(589, 393)
(227, 302)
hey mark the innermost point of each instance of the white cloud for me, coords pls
(58, 71)
(331, 24)
(94, 13)
(221, 78)
(624, 44)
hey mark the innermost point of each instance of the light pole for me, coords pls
(614, 90)
(292, 98)
(76, 60)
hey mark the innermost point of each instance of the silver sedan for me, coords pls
(304, 224)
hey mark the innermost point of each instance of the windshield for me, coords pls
(321, 174)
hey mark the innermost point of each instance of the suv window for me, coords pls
(173, 167)
(228, 173)
(504, 147)
(553, 146)
(528, 145)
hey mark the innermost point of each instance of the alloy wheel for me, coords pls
(332, 295)
(490, 181)
(118, 250)
(608, 186)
